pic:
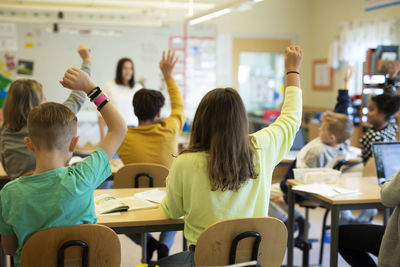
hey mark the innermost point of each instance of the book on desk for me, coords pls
(106, 203)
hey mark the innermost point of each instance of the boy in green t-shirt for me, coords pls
(55, 196)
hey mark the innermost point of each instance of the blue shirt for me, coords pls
(57, 198)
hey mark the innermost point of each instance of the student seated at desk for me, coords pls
(335, 130)
(23, 95)
(226, 173)
(55, 196)
(381, 109)
(356, 241)
(155, 140)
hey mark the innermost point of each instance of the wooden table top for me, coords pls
(145, 217)
(367, 186)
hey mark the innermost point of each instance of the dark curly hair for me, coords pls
(387, 104)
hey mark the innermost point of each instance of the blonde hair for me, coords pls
(22, 96)
(51, 126)
(339, 125)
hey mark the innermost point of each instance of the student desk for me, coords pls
(138, 221)
(283, 166)
(368, 198)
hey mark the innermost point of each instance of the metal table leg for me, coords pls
(334, 236)
(291, 197)
(3, 256)
(184, 242)
(144, 247)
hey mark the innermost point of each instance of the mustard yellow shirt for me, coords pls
(188, 185)
(156, 143)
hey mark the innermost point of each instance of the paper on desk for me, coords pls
(154, 195)
(325, 190)
(135, 203)
(110, 214)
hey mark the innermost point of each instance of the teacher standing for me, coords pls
(120, 91)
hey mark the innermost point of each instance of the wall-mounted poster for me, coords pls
(322, 75)
(8, 36)
(25, 67)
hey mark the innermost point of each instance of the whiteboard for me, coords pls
(54, 52)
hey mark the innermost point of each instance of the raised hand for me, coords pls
(76, 79)
(293, 58)
(347, 75)
(84, 52)
(167, 64)
(393, 69)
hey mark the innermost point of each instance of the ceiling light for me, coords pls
(210, 16)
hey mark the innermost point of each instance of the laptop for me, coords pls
(387, 163)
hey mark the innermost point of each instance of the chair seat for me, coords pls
(42, 248)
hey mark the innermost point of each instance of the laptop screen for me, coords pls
(387, 161)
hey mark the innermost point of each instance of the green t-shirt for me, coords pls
(57, 198)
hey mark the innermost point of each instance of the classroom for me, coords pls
(199, 133)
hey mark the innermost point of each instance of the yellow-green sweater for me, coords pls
(188, 186)
(156, 143)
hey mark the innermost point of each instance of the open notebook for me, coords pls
(106, 204)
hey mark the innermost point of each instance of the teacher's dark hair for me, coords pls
(118, 74)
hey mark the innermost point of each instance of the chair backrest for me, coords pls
(138, 175)
(214, 245)
(369, 168)
(102, 245)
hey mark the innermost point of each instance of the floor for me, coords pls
(131, 253)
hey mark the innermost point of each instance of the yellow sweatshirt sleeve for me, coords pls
(278, 137)
(177, 118)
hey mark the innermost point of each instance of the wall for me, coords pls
(313, 24)
(325, 18)
(270, 19)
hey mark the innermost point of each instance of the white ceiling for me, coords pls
(125, 4)
(134, 12)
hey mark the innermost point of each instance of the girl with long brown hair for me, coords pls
(23, 95)
(226, 173)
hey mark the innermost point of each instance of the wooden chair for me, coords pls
(86, 245)
(369, 168)
(134, 175)
(240, 240)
